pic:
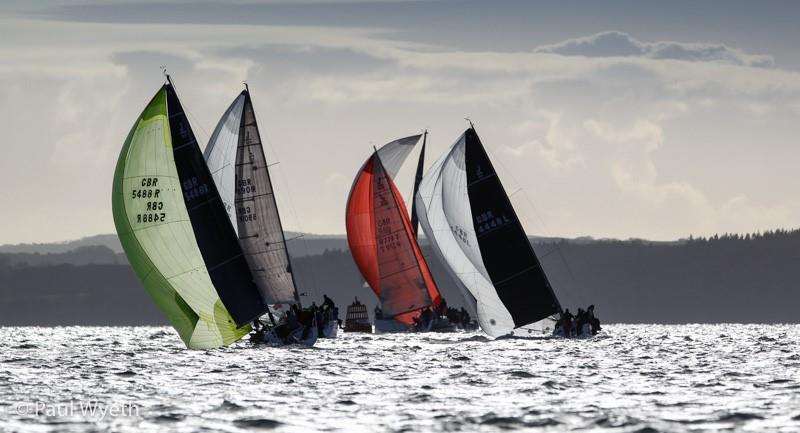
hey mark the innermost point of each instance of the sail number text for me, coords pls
(387, 240)
(148, 190)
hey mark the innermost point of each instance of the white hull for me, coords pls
(331, 329)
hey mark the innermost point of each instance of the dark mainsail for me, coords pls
(212, 228)
(417, 180)
(507, 253)
(258, 220)
(403, 286)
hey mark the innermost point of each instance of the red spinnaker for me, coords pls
(383, 245)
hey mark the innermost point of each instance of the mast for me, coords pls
(417, 180)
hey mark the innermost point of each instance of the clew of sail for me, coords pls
(381, 238)
(466, 214)
(235, 156)
(157, 234)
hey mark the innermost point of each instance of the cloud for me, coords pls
(620, 44)
(594, 121)
(552, 140)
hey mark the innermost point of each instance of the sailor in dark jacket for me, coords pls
(566, 322)
(594, 322)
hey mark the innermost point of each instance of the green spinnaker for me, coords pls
(155, 231)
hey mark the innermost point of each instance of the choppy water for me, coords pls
(633, 378)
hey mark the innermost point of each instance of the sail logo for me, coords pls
(488, 221)
(460, 234)
(183, 131)
(192, 189)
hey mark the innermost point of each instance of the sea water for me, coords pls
(631, 378)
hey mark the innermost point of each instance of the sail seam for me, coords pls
(224, 262)
(252, 197)
(481, 179)
(204, 203)
(399, 272)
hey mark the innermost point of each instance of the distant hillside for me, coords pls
(754, 278)
(300, 244)
(86, 255)
(109, 241)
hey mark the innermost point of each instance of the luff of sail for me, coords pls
(467, 215)
(156, 232)
(235, 156)
(381, 239)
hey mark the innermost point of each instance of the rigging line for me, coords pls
(204, 136)
(292, 210)
(541, 221)
(187, 112)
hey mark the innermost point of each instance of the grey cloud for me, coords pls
(620, 44)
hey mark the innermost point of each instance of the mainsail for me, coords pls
(235, 156)
(468, 217)
(174, 230)
(417, 180)
(381, 238)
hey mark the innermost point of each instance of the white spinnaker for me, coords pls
(393, 154)
(434, 190)
(220, 155)
(443, 207)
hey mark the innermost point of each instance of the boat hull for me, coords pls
(297, 336)
(330, 330)
(585, 331)
(389, 326)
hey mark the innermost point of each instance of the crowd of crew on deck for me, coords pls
(458, 317)
(296, 317)
(573, 325)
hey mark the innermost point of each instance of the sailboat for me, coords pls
(235, 157)
(468, 218)
(176, 232)
(383, 243)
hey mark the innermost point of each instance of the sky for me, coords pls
(625, 119)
